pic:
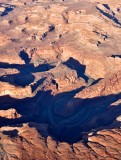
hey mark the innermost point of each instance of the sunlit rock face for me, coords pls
(60, 80)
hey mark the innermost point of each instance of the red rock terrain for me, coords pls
(60, 80)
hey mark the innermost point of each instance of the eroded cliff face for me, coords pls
(60, 80)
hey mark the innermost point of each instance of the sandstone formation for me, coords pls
(10, 113)
(60, 80)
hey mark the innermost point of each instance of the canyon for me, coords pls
(60, 80)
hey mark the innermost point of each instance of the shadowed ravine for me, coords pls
(90, 113)
(60, 80)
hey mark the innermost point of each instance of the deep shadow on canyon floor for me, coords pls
(100, 116)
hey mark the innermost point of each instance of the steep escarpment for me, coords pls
(60, 80)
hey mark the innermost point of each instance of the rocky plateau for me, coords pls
(60, 80)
